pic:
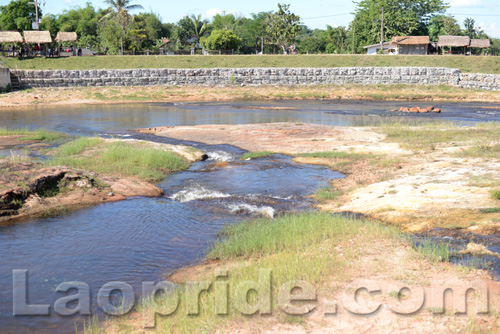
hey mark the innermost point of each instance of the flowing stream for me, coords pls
(142, 239)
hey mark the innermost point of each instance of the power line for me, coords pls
(472, 15)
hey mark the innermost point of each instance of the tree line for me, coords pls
(122, 26)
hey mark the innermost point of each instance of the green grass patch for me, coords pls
(77, 146)
(256, 155)
(495, 194)
(328, 155)
(429, 135)
(324, 194)
(37, 134)
(124, 159)
(465, 64)
(434, 251)
(289, 233)
(490, 210)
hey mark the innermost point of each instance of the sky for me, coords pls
(314, 13)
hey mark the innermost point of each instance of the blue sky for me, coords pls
(314, 13)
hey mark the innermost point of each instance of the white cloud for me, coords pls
(466, 3)
(492, 30)
(68, 1)
(209, 14)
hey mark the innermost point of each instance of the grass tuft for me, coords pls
(118, 158)
(256, 155)
(324, 194)
(490, 210)
(77, 146)
(37, 134)
(434, 251)
(495, 194)
(265, 236)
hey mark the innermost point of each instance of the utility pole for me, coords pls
(37, 26)
(382, 32)
(353, 36)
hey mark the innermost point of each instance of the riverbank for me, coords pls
(328, 257)
(418, 178)
(82, 172)
(116, 95)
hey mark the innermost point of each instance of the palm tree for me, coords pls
(199, 25)
(120, 11)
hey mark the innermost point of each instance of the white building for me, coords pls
(389, 48)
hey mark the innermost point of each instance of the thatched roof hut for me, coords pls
(480, 43)
(10, 37)
(37, 37)
(454, 41)
(66, 37)
(411, 40)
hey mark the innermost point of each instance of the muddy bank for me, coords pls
(29, 188)
(114, 95)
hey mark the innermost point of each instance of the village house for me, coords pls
(411, 45)
(389, 48)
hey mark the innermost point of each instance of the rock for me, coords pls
(129, 188)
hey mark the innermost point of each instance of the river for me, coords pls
(142, 239)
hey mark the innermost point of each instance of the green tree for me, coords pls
(82, 20)
(137, 33)
(221, 40)
(18, 15)
(120, 9)
(148, 28)
(249, 30)
(283, 26)
(495, 47)
(199, 26)
(223, 21)
(310, 41)
(336, 39)
(401, 18)
(49, 22)
(110, 37)
(470, 28)
(443, 25)
(182, 32)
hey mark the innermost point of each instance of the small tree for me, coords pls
(283, 26)
(221, 40)
(120, 13)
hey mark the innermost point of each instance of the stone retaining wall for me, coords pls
(258, 76)
(4, 78)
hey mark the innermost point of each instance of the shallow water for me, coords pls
(141, 239)
(90, 119)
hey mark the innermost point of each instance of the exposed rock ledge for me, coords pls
(27, 189)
